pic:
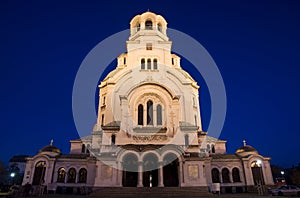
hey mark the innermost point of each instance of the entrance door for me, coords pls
(39, 173)
(170, 171)
(150, 170)
(257, 173)
(130, 171)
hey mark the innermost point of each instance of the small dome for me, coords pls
(246, 148)
(50, 148)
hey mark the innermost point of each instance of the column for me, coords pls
(140, 175)
(160, 175)
(181, 172)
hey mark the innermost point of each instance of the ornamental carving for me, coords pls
(149, 138)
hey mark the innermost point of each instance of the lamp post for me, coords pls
(282, 175)
(12, 175)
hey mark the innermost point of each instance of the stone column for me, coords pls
(181, 172)
(140, 175)
(160, 175)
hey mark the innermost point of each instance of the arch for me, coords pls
(140, 114)
(225, 175)
(148, 63)
(130, 170)
(61, 175)
(158, 114)
(39, 173)
(150, 170)
(82, 175)
(71, 175)
(149, 112)
(148, 24)
(215, 175)
(142, 63)
(155, 63)
(236, 175)
(170, 170)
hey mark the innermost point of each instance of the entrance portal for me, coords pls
(39, 173)
(130, 171)
(257, 173)
(170, 170)
(150, 171)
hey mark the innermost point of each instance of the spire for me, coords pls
(244, 141)
(51, 142)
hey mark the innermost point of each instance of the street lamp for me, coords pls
(12, 175)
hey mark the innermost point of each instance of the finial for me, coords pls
(51, 142)
(148, 10)
(244, 141)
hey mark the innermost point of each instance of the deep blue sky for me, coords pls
(254, 43)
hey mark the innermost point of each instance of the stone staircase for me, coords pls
(155, 192)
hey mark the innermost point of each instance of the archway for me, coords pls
(170, 170)
(257, 173)
(39, 173)
(130, 170)
(150, 170)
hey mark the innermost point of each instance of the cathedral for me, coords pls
(148, 131)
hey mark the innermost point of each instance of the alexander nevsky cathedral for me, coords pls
(148, 131)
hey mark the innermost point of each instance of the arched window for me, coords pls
(148, 63)
(172, 61)
(149, 112)
(225, 175)
(138, 27)
(159, 27)
(39, 173)
(140, 115)
(102, 119)
(213, 150)
(113, 139)
(215, 175)
(82, 175)
(155, 63)
(61, 175)
(148, 25)
(124, 61)
(236, 175)
(143, 63)
(186, 140)
(159, 114)
(83, 148)
(71, 175)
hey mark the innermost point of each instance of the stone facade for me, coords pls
(149, 131)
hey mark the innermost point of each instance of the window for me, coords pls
(82, 175)
(159, 114)
(102, 120)
(124, 61)
(148, 63)
(138, 26)
(215, 175)
(208, 148)
(172, 61)
(159, 27)
(236, 175)
(88, 148)
(72, 175)
(61, 175)
(225, 175)
(83, 148)
(186, 140)
(140, 115)
(103, 103)
(148, 25)
(113, 139)
(149, 46)
(149, 112)
(213, 150)
(143, 63)
(155, 63)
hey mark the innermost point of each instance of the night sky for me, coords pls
(255, 45)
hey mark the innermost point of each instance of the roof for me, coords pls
(18, 158)
(246, 148)
(73, 156)
(50, 148)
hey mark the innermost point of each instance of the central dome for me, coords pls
(246, 149)
(50, 148)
